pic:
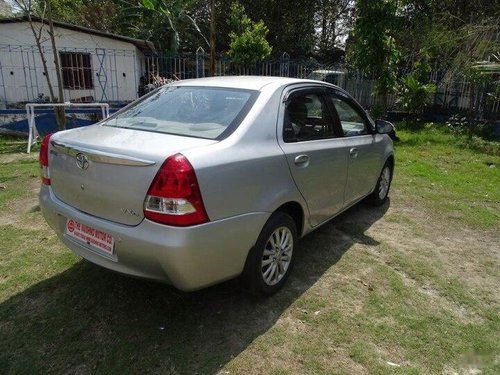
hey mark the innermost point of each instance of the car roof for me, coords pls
(242, 82)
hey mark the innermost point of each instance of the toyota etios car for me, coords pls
(203, 180)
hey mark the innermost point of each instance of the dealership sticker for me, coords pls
(94, 238)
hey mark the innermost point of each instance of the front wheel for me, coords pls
(270, 261)
(379, 195)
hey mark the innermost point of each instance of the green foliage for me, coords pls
(374, 49)
(291, 24)
(421, 67)
(170, 16)
(248, 42)
(476, 76)
(5, 9)
(334, 20)
(414, 95)
(460, 124)
(96, 14)
(376, 111)
(167, 23)
(462, 32)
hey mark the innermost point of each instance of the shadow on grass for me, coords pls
(88, 319)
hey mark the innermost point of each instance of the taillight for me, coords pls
(174, 196)
(44, 160)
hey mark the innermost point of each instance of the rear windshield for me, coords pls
(202, 112)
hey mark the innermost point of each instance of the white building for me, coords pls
(96, 66)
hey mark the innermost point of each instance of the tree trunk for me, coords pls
(212, 38)
(42, 57)
(324, 17)
(59, 111)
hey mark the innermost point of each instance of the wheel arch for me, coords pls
(296, 212)
(391, 162)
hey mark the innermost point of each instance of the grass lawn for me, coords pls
(408, 288)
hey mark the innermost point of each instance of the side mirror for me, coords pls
(385, 127)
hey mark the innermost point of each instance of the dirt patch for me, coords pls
(453, 252)
(18, 211)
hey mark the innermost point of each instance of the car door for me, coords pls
(314, 151)
(362, 147)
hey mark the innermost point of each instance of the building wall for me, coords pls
(116, 65)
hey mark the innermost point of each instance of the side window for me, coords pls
(307, 118)
(351, 121)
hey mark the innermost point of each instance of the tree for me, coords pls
(172, 14)
(290, 23)
(40, 25)
(104, 15)
(212, 37)
(333, 19)
(5, 9)
(101, 15)
(374, 49)
(248, 39)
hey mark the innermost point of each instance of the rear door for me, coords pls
(315, 152)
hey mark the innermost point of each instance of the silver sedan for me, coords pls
(204, 180)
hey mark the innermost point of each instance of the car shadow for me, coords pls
(88, 319)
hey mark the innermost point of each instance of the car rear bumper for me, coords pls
(189, 258)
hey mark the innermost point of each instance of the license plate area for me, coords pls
(95, 239)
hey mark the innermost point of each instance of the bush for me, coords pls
(459, 124)
(414, 95)
(248, 42)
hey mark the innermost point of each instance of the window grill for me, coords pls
(76, 70)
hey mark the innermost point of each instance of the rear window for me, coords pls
(202, 112)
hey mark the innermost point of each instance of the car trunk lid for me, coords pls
(106, 172)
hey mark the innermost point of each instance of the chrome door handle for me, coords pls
(353, 152)
(302, 160)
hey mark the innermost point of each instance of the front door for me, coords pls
(361, 147)
(315, 153)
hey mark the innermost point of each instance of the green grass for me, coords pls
(407, 288)
(12, 144)
(457, 183)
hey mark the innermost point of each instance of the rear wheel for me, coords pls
(270, 261)
(379, 195)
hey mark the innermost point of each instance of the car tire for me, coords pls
(381, 192)
(271, 259)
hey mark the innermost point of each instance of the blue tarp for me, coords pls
(45, 120)
(45, 124)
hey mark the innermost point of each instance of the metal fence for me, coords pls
(450, 96)
(195, 65)
(120, 76)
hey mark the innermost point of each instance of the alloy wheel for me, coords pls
(277, 256)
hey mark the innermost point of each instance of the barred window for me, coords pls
(76, 70)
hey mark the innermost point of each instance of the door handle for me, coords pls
(353, 152)
(302, 160)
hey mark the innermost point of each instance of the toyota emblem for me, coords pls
(81, 161)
